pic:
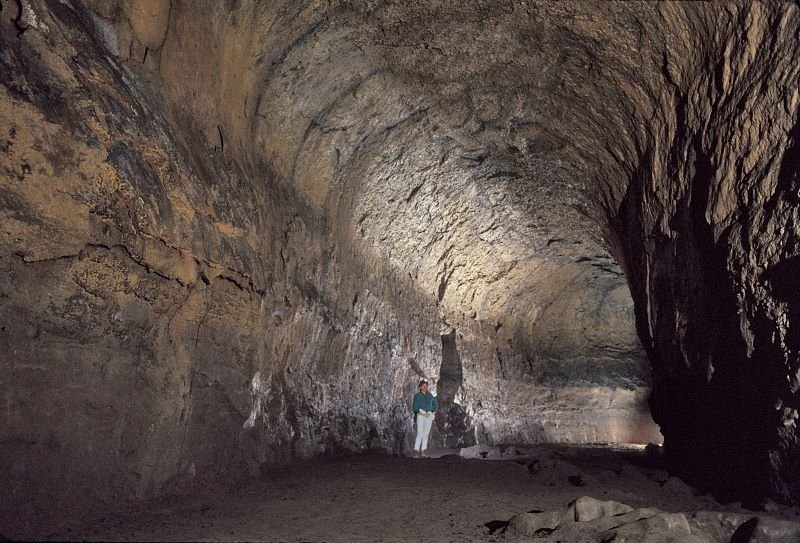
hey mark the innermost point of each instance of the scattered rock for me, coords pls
(716, 525)
(515, 452)
(585, 509)
(480, 451)
(770, 530)
(494, 454)
(611, 522)
(590, 520)
(660, 528)
(531, 523)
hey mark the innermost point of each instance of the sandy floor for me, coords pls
(383, 498)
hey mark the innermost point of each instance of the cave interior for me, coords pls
(236, 234)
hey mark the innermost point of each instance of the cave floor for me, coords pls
(373, 497)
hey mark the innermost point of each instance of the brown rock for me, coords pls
(226, 226)
(586, 508)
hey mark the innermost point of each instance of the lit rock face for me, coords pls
(436, 213)
(183, 296)
(234, 234)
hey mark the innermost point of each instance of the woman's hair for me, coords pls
(423, 382)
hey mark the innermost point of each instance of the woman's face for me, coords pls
(424, 388)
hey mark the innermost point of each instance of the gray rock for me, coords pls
(770, 530)
(716, 525)
(586, 508)
(659, 528)
(590, 520)
(479, 451)
(610, 522)
(528, 524)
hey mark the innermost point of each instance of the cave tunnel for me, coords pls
(236, 234)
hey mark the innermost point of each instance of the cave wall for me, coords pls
(679, 125)
(238, 238)
(193, 287)
(155, 329)
(124, 281)
(708, 230)
(409, 187)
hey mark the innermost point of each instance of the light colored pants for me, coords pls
(423, 429)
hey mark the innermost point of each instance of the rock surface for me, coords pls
(589, 520)
(238, 233)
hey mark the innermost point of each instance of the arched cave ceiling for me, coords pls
(237, 232)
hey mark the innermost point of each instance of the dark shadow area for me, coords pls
(744, 532)
(496, 525)
(452, 419)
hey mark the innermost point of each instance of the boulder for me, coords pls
(586, 508)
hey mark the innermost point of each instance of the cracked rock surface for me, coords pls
(238, 233)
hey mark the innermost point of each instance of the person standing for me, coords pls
(424, 408)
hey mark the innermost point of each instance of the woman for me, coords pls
(424, 408)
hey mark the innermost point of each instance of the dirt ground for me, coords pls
(374, 497)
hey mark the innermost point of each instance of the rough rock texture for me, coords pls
(192, 285)
(706, 231)
(589, 520)
(238, 232)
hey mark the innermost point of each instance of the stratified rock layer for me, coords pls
(234, 233)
